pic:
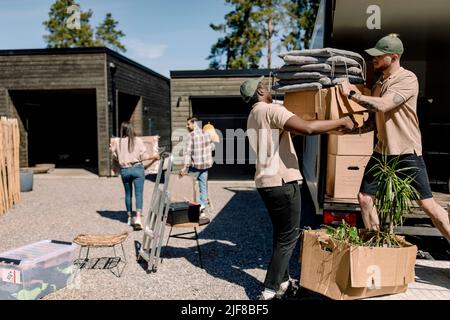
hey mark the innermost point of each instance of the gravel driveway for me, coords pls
(235, 246)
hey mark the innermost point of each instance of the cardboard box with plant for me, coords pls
(345, 263)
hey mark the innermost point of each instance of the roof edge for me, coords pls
(243, 73)
(88, 50)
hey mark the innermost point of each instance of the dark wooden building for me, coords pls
(214, 96)
(70, 102)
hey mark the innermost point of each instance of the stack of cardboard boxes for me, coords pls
(348, 154)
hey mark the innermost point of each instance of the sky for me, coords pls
(164, 35)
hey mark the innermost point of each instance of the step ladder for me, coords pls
(155, 222)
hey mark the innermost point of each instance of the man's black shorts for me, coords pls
(421, 182)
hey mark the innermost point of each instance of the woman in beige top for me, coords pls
(129, 151)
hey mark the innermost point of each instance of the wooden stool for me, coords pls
(194, 225)
(102, 241)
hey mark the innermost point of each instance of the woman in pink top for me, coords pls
(129, 152)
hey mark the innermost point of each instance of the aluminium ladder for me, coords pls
(155, 222)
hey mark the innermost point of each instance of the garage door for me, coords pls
(229, 116)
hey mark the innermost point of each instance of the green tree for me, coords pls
(242, 44)
(270, 14)
(252, 27)
(61, 33)
(107, 34)
(68, 27)
(299, 24)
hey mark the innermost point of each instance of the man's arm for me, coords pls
(297, 125)
(385, 103)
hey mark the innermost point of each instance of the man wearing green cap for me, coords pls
(277, 177)
(394, 101)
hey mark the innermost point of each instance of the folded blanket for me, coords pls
(343, 61)
(297, 87)
(302, 60)
(299, 75)
(324, 52)
(324, 81)
(319, 67)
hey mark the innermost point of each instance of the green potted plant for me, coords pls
(393, 199)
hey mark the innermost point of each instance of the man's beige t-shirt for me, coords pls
(276, 160)
(398, 129)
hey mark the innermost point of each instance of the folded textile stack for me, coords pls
(314, 69)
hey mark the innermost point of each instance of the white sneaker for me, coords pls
(284, 286)
(267, 294)
(129, 220)
(137, 223)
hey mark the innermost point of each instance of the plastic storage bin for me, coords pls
(26, 180)
(35, 270)
(183, 212)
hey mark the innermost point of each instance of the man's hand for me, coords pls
(345, 88)
(348, 125)
(183, 172)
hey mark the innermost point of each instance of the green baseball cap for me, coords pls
(248, 88)
(387, 45)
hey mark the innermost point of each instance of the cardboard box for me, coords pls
(343, 272)
(344, 175)
(325, 104)
(182, 188)
(152, 145)
(341, 106)
(309, 105)
(351, 145)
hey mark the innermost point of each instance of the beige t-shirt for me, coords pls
(276, 160)
(125, 158)
(398, 129)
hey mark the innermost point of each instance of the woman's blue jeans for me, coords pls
(133, 176)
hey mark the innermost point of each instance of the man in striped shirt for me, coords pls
(198, 158)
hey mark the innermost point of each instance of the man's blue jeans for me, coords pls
(133, 176)
(202, 178)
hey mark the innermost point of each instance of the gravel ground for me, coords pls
(236, 245)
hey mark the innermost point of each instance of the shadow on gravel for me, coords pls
(433, 276)
(114, 215)
(241, 235)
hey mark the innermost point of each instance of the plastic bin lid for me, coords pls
(36, 252)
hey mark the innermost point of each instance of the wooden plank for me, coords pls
(3, 165)
(9, 164)
(2, 188)
(16, 160)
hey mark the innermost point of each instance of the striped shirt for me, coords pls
(198, 150)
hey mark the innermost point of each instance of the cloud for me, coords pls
(145, 51)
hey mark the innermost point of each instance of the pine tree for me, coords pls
(61, 35)
(270, 16)
(69, 27)
(253, 26)
(301, 17)
(243, 41)
(107, 34)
